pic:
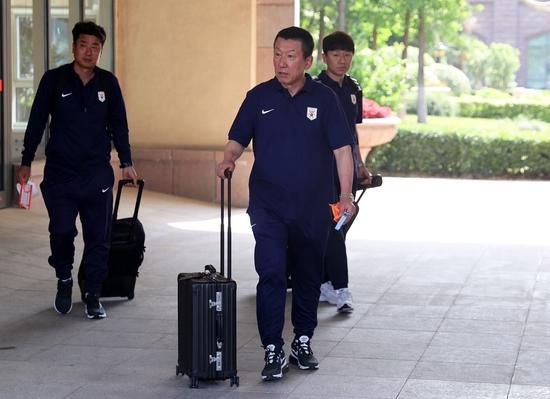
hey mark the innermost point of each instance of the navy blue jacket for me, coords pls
(351, 98)
(293, 142)
(85, 120)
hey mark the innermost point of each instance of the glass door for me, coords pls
(35, 35)
(3, 166)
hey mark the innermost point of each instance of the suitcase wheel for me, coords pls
(194, 382)
(234, 381)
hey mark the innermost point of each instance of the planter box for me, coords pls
(376, 131)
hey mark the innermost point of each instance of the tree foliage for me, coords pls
(376, 23)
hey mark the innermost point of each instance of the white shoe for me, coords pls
(328, 293)
(344, 301)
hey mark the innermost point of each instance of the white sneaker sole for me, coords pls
(278, 376)
(294, 360)
(67, 312)
(95, 317)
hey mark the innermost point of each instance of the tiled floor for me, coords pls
(451, 280)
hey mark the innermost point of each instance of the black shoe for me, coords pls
(301, 354)
(275, 364)
(93, 308)
(63, 299)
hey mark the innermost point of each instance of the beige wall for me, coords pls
(184, 67)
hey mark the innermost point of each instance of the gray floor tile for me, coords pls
(436, 312)
(31, 389)
(450, 309)
(465, 372)
(482, 326)
(399, 323)
(532, 368)
(535, 343)
(379, 351)
(469, 355)
(529, 392)
(542, 329)
(367, 367)
(123, 390)
(452, 390)
(493, 313)
(396, 337)
(330, 386)
(477, 341)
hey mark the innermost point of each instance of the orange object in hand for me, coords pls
(335, 208)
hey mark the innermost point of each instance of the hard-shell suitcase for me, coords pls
(127, 251)
(207, 316)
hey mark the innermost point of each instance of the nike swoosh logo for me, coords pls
(267, 111)
(104, 190)
(65, 94)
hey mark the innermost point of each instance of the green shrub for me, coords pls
(452, 77)
(490, 93)
(499, 109)
(460, 151)
(438, 103)
(502, 65)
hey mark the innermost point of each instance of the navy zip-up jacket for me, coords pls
(85, 119)
(351, 99)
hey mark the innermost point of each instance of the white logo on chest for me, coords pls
(311, 113)
(101, 96)
(353, 99)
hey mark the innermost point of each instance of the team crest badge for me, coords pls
(101, 96)
(311, 113)
(353, 99)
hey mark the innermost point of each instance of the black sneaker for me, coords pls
(275, 364)
(63, 299)
(93, 308)
(301, 354)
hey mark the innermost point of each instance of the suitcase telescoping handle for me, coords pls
(375, 182)
(228, 175)
(121, 184)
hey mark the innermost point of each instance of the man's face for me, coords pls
(289, 62)
(86, 51)
(338, 61)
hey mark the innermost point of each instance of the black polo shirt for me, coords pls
(85, 119)
(293, 142)
(351, 98)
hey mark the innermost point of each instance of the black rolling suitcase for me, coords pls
(207, 316)
(127, 251)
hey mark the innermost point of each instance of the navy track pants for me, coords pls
(91, 198)
(276, 241)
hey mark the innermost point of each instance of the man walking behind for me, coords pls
(87, 114)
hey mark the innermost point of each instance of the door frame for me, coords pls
(5, 172)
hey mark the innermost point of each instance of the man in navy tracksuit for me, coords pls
(338, 50)
(87, 114)
(298, 131)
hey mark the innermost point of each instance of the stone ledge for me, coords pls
(191, 173)
(376, 131)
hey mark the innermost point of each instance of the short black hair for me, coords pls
(338, 41)
(89, 28)
(295, 33)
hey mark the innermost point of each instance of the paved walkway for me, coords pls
(451, 280)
